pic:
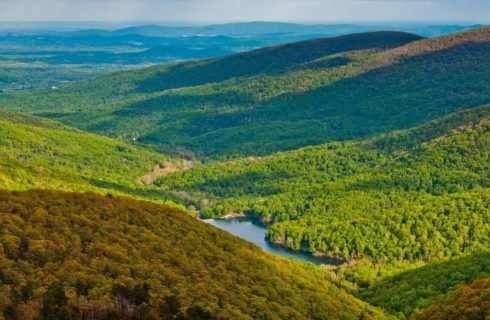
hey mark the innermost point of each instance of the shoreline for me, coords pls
(234, 215)
(338, 261)
(329, 260)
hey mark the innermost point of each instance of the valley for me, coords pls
(270, 100)
(57, 55)
(285, 176)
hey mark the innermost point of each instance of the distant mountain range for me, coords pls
(264, 28)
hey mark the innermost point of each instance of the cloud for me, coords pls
(247, 10)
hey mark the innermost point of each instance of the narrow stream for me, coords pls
(255, 233)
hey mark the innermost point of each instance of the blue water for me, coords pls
(255, 233)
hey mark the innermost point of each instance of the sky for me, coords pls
(204, 11)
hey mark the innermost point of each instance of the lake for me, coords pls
(255, 233)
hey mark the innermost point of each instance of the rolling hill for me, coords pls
(390, 173)
(39, 153)
(272, 99)
(204, 89)
(72, 256)
(417, 195)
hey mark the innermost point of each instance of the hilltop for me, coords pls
(72, 256)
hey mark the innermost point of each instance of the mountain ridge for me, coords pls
(265, 27)
(327, 46)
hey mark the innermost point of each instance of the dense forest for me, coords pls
(79, 256)
(371, 148)
(470, 302)
(414, 195)
(272, 99)
(411, 291)
(35, 143)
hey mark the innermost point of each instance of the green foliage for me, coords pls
(273, 99)
(420, 194)
(39, 153)
(412, 291)
(186, 104)
(385, 205)
(18, 76)
(470, 302)
(73, 256)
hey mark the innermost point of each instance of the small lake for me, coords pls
(255, 233)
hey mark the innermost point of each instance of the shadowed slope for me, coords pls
(283, 97)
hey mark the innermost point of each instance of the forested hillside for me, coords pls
(410, 292)
(274, 98)
(470, 302)
(414, 195)
(114, 105)
(73, 256)
(373, 149)
(40, 153)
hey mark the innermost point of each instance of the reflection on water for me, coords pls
(255, 233)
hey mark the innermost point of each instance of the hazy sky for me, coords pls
(247, 10)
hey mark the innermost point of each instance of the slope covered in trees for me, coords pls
(273, 99)
(98, 105)
(159, 78)
(40, 153)
(417, 197)
(471, 302)
(420, 194)
(412, 291)
(72, 256)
